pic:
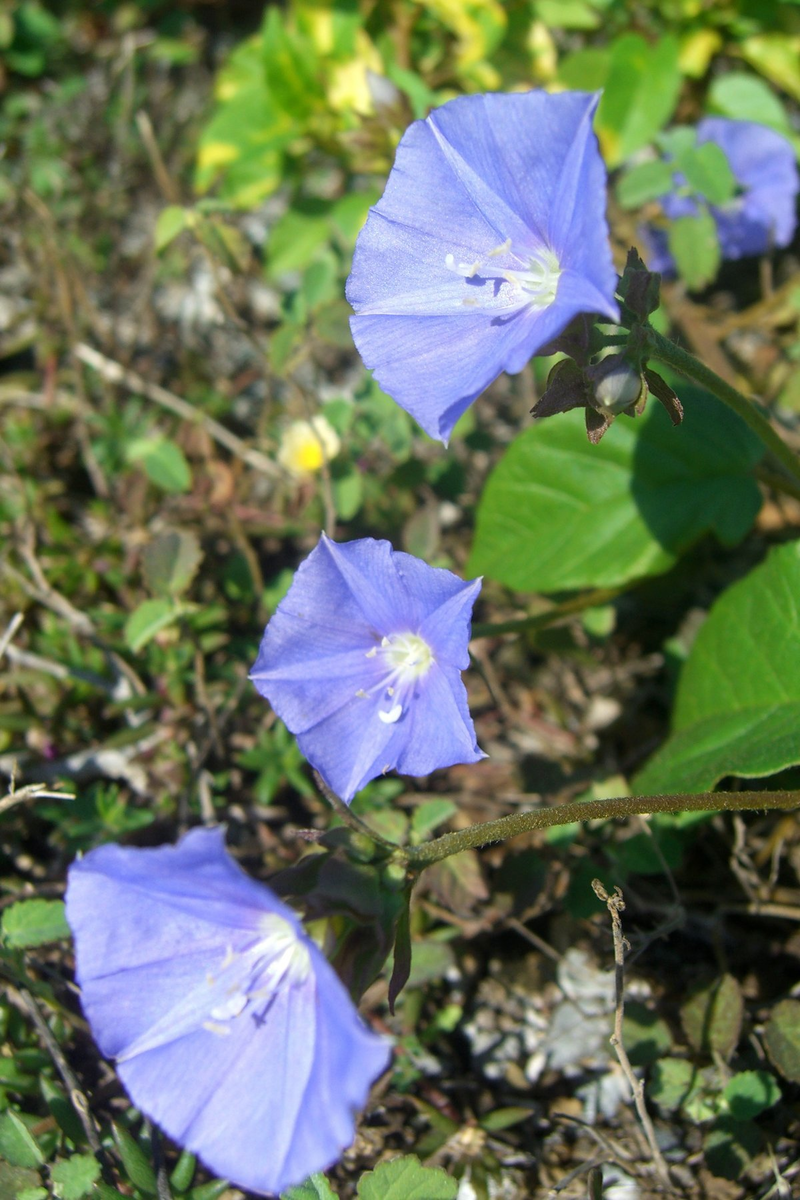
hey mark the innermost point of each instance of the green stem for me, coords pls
(663, 349)
(500, 830)
(556, 612)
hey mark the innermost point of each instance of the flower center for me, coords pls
(278, 959)
(408, 658)
(534, 284)
(540, 281)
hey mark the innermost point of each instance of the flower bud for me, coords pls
(617, 385)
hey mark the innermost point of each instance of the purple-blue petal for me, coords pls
(484, 188)
(348, 703)
(155, 931)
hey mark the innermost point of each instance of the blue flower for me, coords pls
(229, 1027)
(762, 217)
(490, 237)
(362, 660)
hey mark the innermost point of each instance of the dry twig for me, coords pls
(616, 905)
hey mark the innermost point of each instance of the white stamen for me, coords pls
(371, 653)
(392, 715)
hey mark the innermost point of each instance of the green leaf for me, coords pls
(708, 172)
(585, 69)
(136, 1163)
(210, 1191)
(504, 1118)
(164, 463)
(712, 1017)
(170, 562)
(737, 708)
(644, 182)
(782, 1038)
(646, 1035)
(558, 513)
(316, 1187)
(776, 55)
(348, 492)
(18, 1146)
(183, 1171)
(639, 96)
(567, 14)
(406, 1179)
(750, 1092)
(14, 1180)
(744, 97)
(147, 620)
(694, 245)
(296, 240)
(429, 815)
(62, 1109)
(74, 1178)
(730, 1146)
(171, 221)
(673, 1083)
(33, 923)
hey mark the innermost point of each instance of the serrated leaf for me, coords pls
(33, 923)
(316, 1187)
(171, 221)
(782, 1038)
(712, 1017)
(170, 562)
(137, 1165)
(737, 710)
(406, 1179)
(74, 1177)
(164, 463)
(694, 244)
(640, 94)
(147, 620)
(18, 1146)
(558, 513)
(646, 181)
(750, 1092)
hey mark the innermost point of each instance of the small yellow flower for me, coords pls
(306, 445)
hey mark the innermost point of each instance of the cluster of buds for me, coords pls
(614, 382)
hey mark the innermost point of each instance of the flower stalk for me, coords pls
(667, 352)
(500, 830)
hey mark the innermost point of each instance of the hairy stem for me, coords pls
(504, 828)
(665, 351)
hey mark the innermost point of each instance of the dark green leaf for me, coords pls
(712, 1017)
(673, 1082)
(137, 1165)
(782, 1038)
(737, 709)
(183, 1171)
(750, 1092)
(730, 1147)
(558, 513)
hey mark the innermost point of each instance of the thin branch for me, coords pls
(114, 372)
(616, 905)
(77, 1097)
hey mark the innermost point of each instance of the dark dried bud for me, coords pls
(639, 288)
(574, 341)
(663, 392)
(567, 387)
